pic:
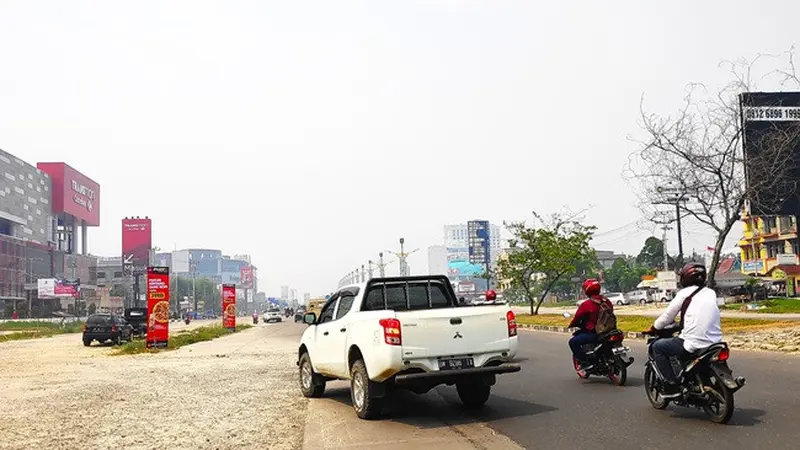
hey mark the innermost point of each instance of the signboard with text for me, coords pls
(229, 306)
(137, 236)
(478, 239)
(157, 307)
(73, 193)
(57, 288)
(246, 277)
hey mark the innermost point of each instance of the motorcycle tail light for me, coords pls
(617, 338)
(722, 355)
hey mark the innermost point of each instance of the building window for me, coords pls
(773, 249)
(795, 246)
(101, 275)
(771, 224)
(117, 274)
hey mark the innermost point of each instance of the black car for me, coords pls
(106, 327)
(137, 317)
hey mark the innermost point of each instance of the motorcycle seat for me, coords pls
(711, 348)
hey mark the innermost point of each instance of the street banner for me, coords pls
(229, 306)
(137, 237)
(157, 307)
(246, 277)
(57, 288)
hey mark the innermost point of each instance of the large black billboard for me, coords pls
(771, 133)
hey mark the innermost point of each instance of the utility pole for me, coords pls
(363, 274)
(664, 244)
(382, 265)
(676, 197)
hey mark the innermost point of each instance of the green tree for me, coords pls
(118, 290)
(652, 253)
(92, 308)
(623, 276)
(542, 255)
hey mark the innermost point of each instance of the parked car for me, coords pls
(405, 332)
(617, 298)
(639, 297)
(137, 317)
(104, 327)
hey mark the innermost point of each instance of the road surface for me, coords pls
(547, 406)
(655, 311)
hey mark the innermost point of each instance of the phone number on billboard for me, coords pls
(772, 113)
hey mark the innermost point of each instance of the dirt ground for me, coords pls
(239, 391)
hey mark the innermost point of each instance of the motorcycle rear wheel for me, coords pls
(723, 411)
(651, 389)
(619, 372)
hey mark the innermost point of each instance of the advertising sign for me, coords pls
(73, 193)
(229, 306)
(246, 277)
(478, 238)
(157, 307)
(787, 259)
(57, 288)
(753, 266)
(771, 122)
(137, 236)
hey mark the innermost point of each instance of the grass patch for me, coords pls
(178, 340)
(36, 329)
(772, 306)
(640, 323)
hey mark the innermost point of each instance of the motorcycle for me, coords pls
(707, 382)
(608, 358)
(255, 320)
(187, 320)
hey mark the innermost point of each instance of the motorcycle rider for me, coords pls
(701, 325)
(585, 318)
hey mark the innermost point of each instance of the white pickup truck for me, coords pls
(407, 332)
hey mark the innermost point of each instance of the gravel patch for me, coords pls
(781, 340)
(239, 391)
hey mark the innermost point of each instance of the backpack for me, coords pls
(606, 320)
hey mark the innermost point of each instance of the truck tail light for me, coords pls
(511, 319)
(113, 328)
(391, 331)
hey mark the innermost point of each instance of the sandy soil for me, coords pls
(239, 391)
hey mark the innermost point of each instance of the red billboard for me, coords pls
(229, 306)
(246, 277)
(137, 239)
(157, 307)
(73, 193)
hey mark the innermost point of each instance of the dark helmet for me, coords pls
(591, 287)
(692, 274)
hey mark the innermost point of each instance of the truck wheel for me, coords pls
(366, 406)
(311, 384)
(473, 395)
(87, 342)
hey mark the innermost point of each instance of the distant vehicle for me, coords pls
(638, 296)
(616, 298)
(298, 315)
(273, 316)
(137, 318)
(104, 327)
(405, 332)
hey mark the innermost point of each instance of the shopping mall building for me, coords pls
(45, 211)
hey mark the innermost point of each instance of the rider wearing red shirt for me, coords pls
(585, 319)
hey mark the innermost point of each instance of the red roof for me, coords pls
(726, 265)
(788, 270)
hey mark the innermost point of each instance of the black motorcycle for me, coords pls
(255, 320)
(707, 383)
(608, 358)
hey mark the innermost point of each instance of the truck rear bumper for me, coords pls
(452, 376)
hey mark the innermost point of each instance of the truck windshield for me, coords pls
(406, 296)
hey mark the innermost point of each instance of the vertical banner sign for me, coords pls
(137, 236)
(478, 238)
(229, 306)
(157, 307)
(771, 126)
(246, 277)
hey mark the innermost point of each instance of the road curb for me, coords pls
(629, 334)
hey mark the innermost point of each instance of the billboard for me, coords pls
(57, 288)
(229, 306)
(73, 193)
(137, 240)
(157, 307)
(246, 277)
(771, 123)
(478, 239)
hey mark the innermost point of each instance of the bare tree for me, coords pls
(698, 152)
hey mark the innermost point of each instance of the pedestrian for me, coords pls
(14, 315)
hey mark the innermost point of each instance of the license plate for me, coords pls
(98, 330)
(456, 364)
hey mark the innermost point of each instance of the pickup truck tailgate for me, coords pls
(454, 331)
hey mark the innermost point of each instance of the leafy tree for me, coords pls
(652, 253)
(624, 277)
(118, 290)
(92, 308)
(543, 254)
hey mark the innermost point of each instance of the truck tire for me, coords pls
(87, 342)
(364, 403)
(473, 395)
(311, 384)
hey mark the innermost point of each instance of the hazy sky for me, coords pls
(313, 134)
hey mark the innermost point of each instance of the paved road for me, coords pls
(654, 311)
(547, 406)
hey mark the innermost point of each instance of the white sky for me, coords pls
(314, 134)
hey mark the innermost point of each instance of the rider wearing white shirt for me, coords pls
(701, 324)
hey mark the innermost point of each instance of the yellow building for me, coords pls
(768, 241)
